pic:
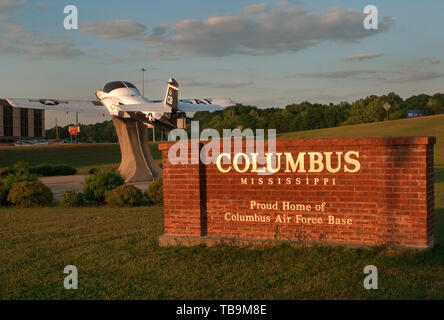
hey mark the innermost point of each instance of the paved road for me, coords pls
(58, 185)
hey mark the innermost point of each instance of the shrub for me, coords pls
(64, 170)
(125, 195)
(92, 171)
(20, 172)
(72, 198)
(46, 170)
(16, 177)
(155, 191)
(5, 171)
(96, 186)
(30, 194)
(43, 170)
(3, 194)
(21, 167)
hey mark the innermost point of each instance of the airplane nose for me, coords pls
(99, 94)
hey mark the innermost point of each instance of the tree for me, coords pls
(436, 103)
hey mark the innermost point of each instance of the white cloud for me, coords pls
(419, 76)
(337, 74)
(187, 82)
(121, 29)
(428, 61)
(224, 85)
(255, 8)
(9, 4)
(233, 84)
(42, 5)
(17, 41)
(282, 30)
(283, 3)
(363, 56)
(420, 69)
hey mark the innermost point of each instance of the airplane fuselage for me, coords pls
(121, 93)
(128, 95)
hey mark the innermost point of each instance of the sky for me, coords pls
(264, 53)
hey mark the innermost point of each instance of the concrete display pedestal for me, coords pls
(137, 163)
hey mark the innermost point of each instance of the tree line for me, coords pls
(294, 117)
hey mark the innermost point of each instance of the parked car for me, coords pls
(40, 142)
(24, 143)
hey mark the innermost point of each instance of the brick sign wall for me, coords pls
(357, 191)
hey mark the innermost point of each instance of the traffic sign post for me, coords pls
(387, 107)
(74, 131)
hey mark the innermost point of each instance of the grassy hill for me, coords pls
(82, 156)
(426, 126)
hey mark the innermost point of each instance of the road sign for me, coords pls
(386, 106)
(415, 113)
(74, 130)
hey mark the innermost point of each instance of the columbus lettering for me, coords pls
(303, 162)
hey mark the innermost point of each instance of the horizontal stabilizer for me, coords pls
(223, 102)
(153, 107)
(188, 107)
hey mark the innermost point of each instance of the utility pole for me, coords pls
(57, 130)
(77, 124)
(143, 80)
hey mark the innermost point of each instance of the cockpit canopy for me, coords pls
(119, 85)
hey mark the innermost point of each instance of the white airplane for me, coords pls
(122, 99)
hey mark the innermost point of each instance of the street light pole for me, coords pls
(143, 80)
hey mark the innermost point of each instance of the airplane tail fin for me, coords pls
(172, 100)
(172, 94)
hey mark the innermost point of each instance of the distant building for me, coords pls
(21, 123)
(415, 113)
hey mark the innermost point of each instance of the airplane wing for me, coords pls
(188, 107)
(81, 106)
(160, 107)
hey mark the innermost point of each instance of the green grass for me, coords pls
(117, 255)
(425, 126)
(83, 156)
